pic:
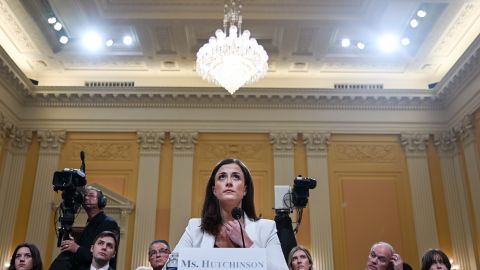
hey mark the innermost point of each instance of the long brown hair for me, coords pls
(211, 217)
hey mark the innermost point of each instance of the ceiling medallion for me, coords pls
(232, 59)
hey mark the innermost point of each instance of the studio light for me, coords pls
(127, 40)
(421, 13)
(109, 43)
(388, 43)
(52, 20)
(405, 41)
(92, 40)
(413, 23)
(57, 26)
(360, 45)
(63, 39)
(345, 42)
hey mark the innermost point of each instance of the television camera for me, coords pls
(71, 182)
(287, 200)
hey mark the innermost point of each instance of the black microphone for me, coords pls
(237, 214)
(82, 158)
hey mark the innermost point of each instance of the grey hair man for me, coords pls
(158, 253)
(383, 257)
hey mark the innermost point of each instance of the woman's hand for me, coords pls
(232, 228)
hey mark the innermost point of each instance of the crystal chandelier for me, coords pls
(231, 58)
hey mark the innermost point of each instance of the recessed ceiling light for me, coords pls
(63, 39)
(109, 43)
(421, 13)
(346, 43)
(127, 40)
(52, 20)
(405, 41)
(360, 45)
(388, 43)
(92, 40)
(414, 23)
(57, 26)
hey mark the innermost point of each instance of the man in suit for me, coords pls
(383, 257)
(103, 250)
(158, 253)
(77, 254)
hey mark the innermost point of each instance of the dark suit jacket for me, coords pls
(83, 257)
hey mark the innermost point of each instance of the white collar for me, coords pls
(103, 268)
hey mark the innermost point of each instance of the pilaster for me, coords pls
(422, 200)
(10, 186)
(320, 221)
(181, 198)
(453, 181)
(283, 156)
(150, 143)
(40, 219)
(466, 133)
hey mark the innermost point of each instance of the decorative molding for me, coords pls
(20, 139)
(17, 83)
(51, 139)
(184, 141)
(150, 141)
(415, 143)
(380, 153)
(316, 142)
(283, 141)
(465, 129)
(106, 151)
(445, 141)
(5, 128)
(185, 97)
(246, 151)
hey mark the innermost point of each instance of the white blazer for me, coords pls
(263, 233)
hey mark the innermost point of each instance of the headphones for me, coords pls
(102, 199)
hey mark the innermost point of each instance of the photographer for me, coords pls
(77, 254)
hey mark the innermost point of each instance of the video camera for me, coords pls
(286, 200)
(71, 182)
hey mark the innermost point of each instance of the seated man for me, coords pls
(382, 257)
(103, 249)
(158, 253)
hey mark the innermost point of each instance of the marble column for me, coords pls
(320, 222)
(466, 133)
(11, 186)
(457, 211)
(182, 177)
(420, 187)
(283, 157)
(148, 174)
(40, 219)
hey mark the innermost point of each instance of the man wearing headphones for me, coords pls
(77, 254)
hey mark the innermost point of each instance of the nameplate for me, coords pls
(222, 258)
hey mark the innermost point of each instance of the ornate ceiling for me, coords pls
(302, 38)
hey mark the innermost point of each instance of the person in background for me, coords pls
(435, 259)
(26, 257)
(104, 248)
(76, 253)
(382, 257)
(158, 253)
(230, 186)
(300, 258)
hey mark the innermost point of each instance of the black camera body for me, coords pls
(71, 182)
(301, 187)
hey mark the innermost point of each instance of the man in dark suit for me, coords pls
(103, 250)
(77, 254)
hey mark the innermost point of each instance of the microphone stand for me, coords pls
(237, 214)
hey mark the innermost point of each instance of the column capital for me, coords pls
(445, 141)
(465, 129)
(51, 140)
(20, 138)
(183, 141)
(414, 143)
(283, 141)
(316, 142)
(150, 141)
(5, 128)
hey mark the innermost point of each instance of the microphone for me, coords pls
(82, 158)
(237, 214)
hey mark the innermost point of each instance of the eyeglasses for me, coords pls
(382, 259)
(159, 251)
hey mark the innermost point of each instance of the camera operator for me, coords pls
(77, 254)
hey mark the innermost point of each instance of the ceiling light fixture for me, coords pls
(345, 42)
(63, 39)
(109, 43)
(421, 13)
(405, 41)
(414, 23)
(388, 43)
(52, 20)
(231, 58)
(57, 26)
(127, 40)
(360, 45)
